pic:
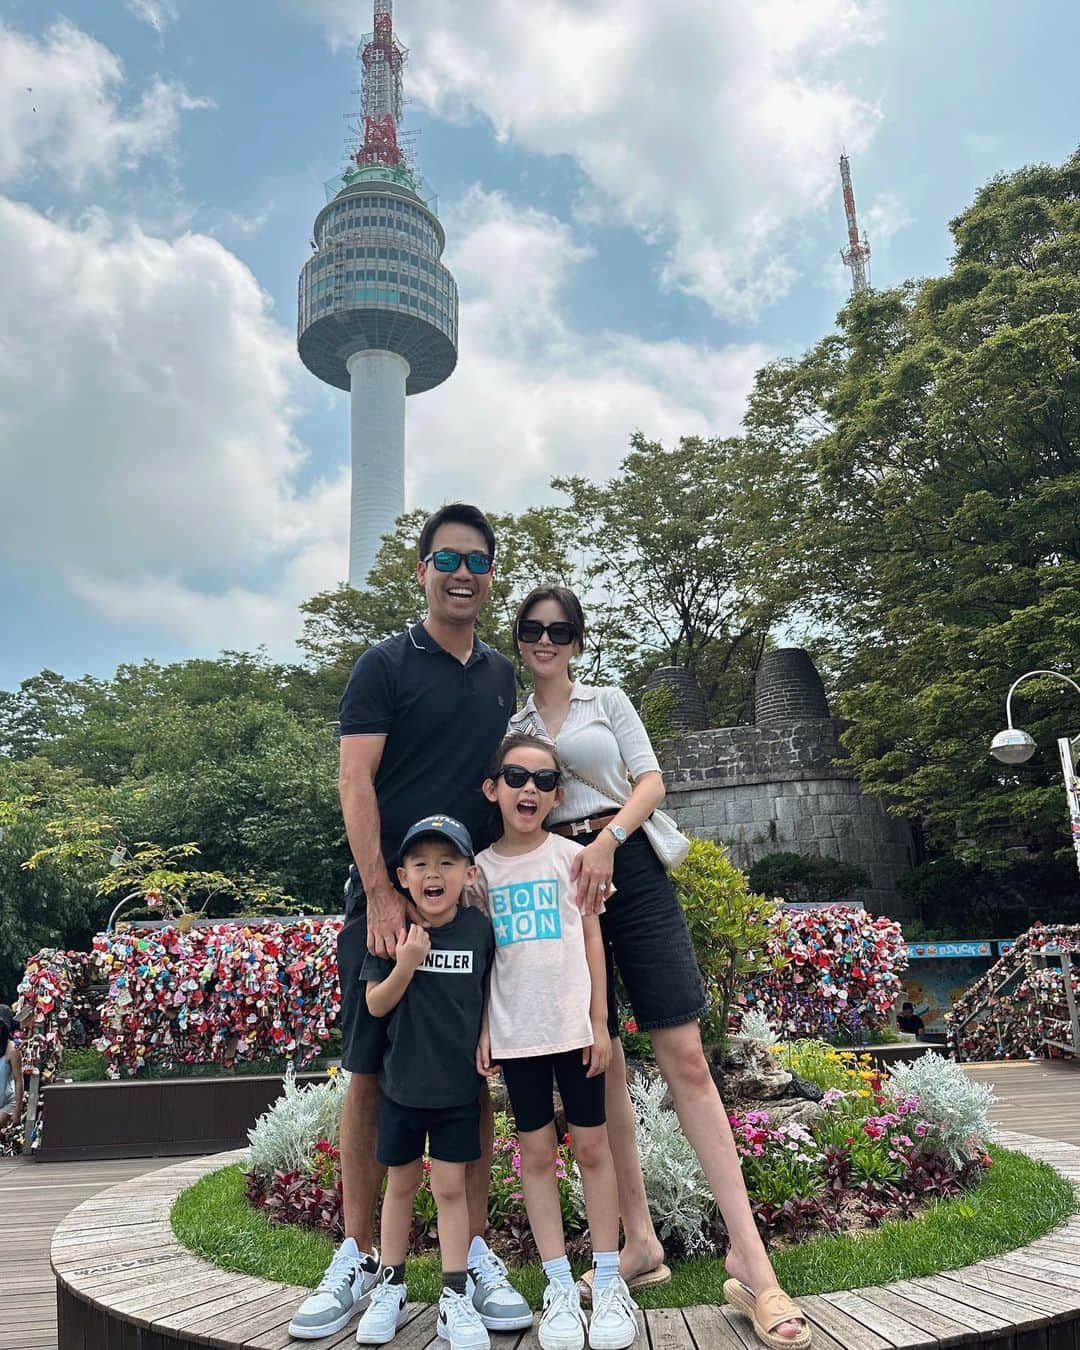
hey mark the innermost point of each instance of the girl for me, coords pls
(546, 1022)
(613, 785)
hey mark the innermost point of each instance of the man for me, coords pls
(421, 717)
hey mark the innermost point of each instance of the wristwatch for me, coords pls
(618, 832)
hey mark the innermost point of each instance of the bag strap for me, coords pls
(536, 730)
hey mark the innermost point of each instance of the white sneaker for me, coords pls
(613, 1325)
(341, 1293)
(499, 1304)
(459, 1323)
(385, 1313)
(562, 1323)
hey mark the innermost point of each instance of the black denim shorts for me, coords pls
(363, 1037)
(647, 940)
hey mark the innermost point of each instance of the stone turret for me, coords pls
(785, 785)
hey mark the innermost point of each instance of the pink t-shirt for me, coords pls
(540, 983)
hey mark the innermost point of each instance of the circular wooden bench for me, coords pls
(124, 1283)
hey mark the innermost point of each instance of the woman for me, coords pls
(613, 785)
(11, 1074)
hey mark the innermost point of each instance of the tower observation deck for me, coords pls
(378, 311)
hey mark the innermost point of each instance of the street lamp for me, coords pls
(1015, 746)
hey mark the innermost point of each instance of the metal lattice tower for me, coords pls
(378, 311)
(857, 253)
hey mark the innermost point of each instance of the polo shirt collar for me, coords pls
(420, 638)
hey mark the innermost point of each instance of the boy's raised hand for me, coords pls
(416, 946)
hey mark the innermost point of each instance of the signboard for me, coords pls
(922, 951)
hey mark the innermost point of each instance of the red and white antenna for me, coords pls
(383, 58)
(857, 252)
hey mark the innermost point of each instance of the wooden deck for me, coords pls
(33, 1199)
(1040, 1099)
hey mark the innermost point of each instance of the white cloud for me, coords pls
(147, 440)
(157, 13)
(712, 128)
(532, 395)
(59, 109)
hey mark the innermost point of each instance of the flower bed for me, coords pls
(882, 1147)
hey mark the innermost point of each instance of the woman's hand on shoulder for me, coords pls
(591, 873)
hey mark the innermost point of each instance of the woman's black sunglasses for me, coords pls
(532, 630)
(516, 776)
(449, 560)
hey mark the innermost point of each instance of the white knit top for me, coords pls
(604, 739)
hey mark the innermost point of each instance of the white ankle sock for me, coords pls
(559, 1272)
(606, 1265)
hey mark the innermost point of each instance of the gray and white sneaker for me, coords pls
(341, 1293)
(385, 1313)
(613, 1325)
(562, 1323)
(499, 1304)
(459, 1323)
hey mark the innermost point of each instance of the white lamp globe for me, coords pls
(1012, 746)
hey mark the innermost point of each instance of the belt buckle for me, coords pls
(580, 827)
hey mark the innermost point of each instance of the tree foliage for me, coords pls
(919, 499)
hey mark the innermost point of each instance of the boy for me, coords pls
(432, 995)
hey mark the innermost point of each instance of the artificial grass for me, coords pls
(1019, 1201)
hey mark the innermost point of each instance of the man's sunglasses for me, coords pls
(516, 776)
(532, 630)
(449, 560)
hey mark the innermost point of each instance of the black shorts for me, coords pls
(530, 1084)
(363, 1037)
(646, 937)
(452, 1133)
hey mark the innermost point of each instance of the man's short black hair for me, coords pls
(457, 513)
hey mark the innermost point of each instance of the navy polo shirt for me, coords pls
(443, 722)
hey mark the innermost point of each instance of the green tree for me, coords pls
(923, 463)
(56, 905)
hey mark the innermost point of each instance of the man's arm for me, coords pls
(360, 758)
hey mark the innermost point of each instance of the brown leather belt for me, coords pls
(570, 829)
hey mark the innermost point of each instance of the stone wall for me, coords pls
(774, 789)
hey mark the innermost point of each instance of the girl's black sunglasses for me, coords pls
(516, 776)
(532, 630)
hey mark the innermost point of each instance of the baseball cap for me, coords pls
(444, 827)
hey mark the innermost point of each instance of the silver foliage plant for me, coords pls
(757, 1027)
(955, 1106)
(678, 1194)
(284, 1137)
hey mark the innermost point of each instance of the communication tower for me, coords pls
(378, 311)
(857, 253)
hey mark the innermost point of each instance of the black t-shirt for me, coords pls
(443, 722)
(434, 1031)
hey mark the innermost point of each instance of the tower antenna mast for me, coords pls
(857, 253)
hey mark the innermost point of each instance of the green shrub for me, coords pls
(733, 931)
(807, 878)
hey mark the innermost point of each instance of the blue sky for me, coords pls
(642, 205)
